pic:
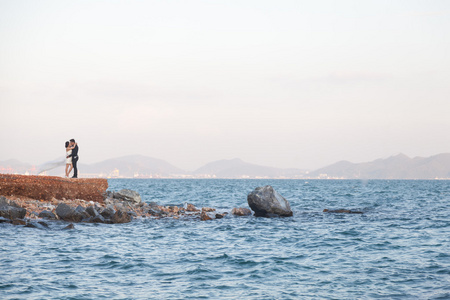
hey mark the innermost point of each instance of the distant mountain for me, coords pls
(236, 168)
(129, 166)
(15, 166)
(394, 167)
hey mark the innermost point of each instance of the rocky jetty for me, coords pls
(266, 202)
(33, 201)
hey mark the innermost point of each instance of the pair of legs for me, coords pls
(69, 168)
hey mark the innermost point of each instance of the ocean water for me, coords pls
(398, 249)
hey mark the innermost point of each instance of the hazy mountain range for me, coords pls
(394, 167)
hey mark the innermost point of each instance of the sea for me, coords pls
(399, 248)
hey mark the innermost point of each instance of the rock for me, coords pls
(241, 211)
(19, 222)
(121, 217)
(220, 216)
(68, 213)
(204, 216)
(82, 211)
(43, 224)
(98, 219)
(12, 212)
(132, 214)
(30, 225)
(190, 207)
(108, 212)
(266, 202)
(46, 214)
(92, 211)
(128, 195)
(343, 211)
(208, 209)
(70, 226)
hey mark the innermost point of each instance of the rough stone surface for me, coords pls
(98, 219)
(68, 213)
(12, 212)
(204, 216)
(108, 212)
(241, 211)
(70, 226)
(92, 211)
(121, 217)
(190, 207)
(208, 209)
(49, 187)
(128, 195)
(46, 214)
(19, 222)
(266, 202)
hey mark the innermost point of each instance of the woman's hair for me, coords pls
(67, 144)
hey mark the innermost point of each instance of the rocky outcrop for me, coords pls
(266, 202)
(241, 211)
(49, 187)
(125, 195)
(47, 214)
(11, 210)
(68, 213)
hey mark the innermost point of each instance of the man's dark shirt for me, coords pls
(74, 151)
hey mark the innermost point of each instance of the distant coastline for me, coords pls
(143, 167)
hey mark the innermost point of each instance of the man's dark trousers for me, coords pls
(74, 164)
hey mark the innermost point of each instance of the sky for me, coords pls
(290, 84)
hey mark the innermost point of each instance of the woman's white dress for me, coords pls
(68, 160)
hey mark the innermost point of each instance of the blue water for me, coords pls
(398, 249)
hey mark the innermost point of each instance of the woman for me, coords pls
(69, 165)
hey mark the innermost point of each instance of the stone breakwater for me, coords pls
(28, 200)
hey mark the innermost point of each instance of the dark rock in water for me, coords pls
(343, 211)
(70, 226)
(241, 211)
(19, 222)
(3, 220)
(92, 211)
(11, 210)
(43, 224)
(121, 217)
(108, 212)
(132, 214)
(46, 214)
(30, 225)
(220, 216)
(68, 213)
(266, 202)
(128, 195)
(153, 204)
(98, 219)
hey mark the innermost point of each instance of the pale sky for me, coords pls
(299, 84)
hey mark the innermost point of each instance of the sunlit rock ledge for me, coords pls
(50, 187)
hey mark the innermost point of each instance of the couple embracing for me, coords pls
(71, 158)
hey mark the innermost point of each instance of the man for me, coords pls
(74, 158)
